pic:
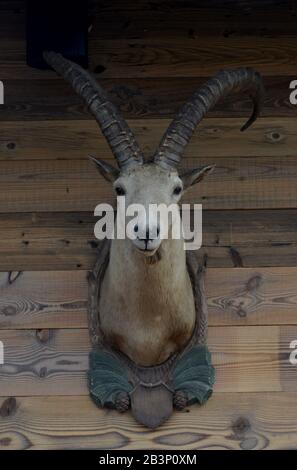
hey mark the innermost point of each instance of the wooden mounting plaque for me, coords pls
(151, 392)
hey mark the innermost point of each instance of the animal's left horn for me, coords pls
(115, 129)
(181, 129)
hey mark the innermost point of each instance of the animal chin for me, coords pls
(152, 257)
(147, 248)
(147, 251)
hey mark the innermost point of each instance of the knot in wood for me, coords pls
(10, 145)
(8, 407)
(43, 335)
(9, 311)
(241, 426)
(254, 282)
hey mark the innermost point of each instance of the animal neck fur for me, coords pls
(165, 267)
(147, 306)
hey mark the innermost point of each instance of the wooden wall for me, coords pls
(150, 55)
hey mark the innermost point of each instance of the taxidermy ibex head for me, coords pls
(159, 181)
(147, 308)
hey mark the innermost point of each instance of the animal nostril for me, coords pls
(135, 228)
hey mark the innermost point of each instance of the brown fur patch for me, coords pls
(116, 341)
(180, 338)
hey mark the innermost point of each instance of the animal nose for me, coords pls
(151, 235)
(148, 234)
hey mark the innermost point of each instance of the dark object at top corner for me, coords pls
(61, 26)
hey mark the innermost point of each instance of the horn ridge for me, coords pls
(181, 129)
(126, 149)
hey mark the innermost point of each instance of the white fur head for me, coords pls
(149, 185)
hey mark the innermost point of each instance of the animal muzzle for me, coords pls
(147, 239)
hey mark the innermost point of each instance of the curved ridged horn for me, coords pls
(115, 129)
(181, 129)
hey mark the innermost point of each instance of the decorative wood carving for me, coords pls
(151, 392)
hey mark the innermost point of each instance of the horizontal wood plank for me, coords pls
(244, 421)
(146, 17)
(242, 296)
(43, 299)
(265, 296)
(18, 6)
(77, 253)
(173, 40)
(59, 140)
(65, 240)
(158, 57)
(55, 362)
(192, 21)
(234, 6)
(137, 98)
(74, 185)
(185, 57)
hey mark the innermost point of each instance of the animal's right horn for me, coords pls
(115, 129)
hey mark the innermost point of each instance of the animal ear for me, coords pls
(109, 172)
(195, 176)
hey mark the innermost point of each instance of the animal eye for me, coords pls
(120, 191)
(177, 190)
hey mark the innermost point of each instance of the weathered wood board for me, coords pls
(76, 139)
(55, 362)
(246, 421)
(137, 98)
(74, 185)
(65, 240)
(239, 297)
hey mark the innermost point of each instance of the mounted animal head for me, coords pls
(159, 181)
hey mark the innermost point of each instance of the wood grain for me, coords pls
(244, 421)
(265, 296)
(74, 185)
(167, 17)
(47, 241)
(192, 21)
(182, 49)
(185, 57)
(137, 98)
(59, 140)
(235, 6)
(55, 362)
(43, 299)
(238, 297)
(65, 240)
